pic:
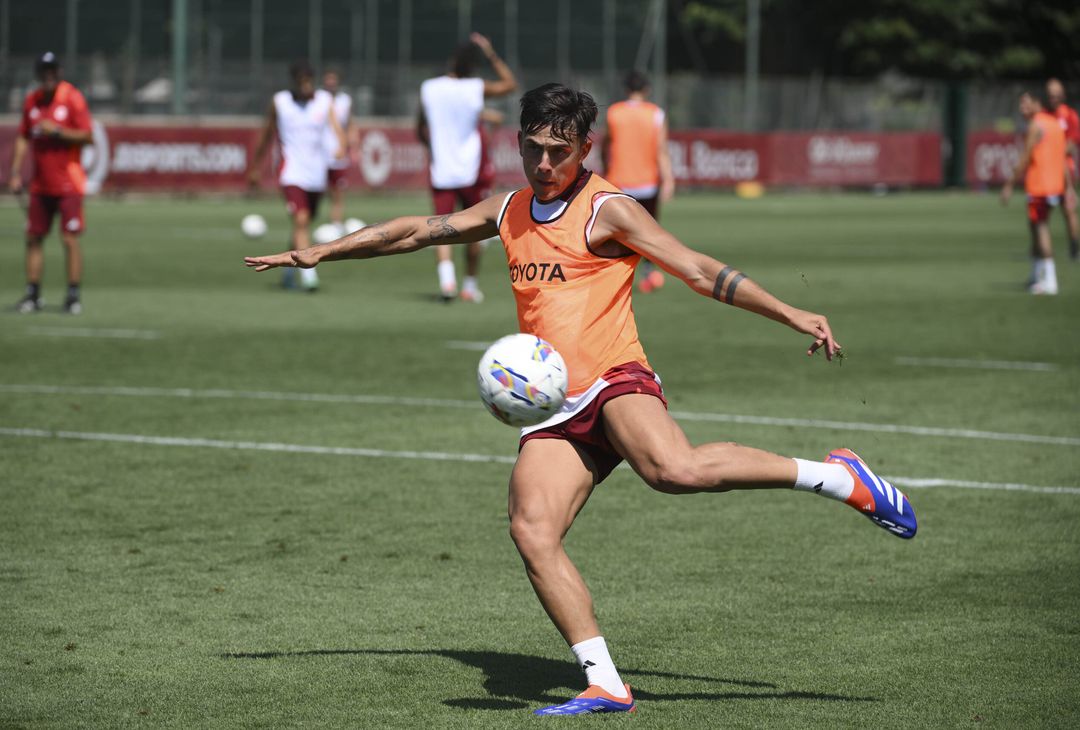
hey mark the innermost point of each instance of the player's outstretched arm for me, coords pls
(400, 235)
(625, 221)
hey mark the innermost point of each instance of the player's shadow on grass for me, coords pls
(514, 681)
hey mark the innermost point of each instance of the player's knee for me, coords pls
(301, 218)
(33, 241)
(672, 476)
(532, 535)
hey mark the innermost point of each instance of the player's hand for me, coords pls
(342, 153)
(305, 259)
(817, 327)
(1006, 192)
(667, 190)
(482, 42)
(253, 179)
(47, 128)
(15, 184)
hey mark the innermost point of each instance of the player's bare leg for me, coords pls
(301, 239)
(444, 263)
(469, 290)
(35, 264)
(74, 261)
(1072, 222)
(549, 485)
(337, 206)
(35, 259)
(642, 431)
(1042, 251)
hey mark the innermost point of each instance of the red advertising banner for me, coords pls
(129, 157)
(840, 158)
(991, 157)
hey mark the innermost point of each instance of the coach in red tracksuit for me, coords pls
(55, 125)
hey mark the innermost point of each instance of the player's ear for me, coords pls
(586, 147)
(519, 144)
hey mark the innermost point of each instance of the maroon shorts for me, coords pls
(651, 205)
(337, 178)
(1038, 208)
(446, 198)
(298, 199)
(585, 429)
(43, 208)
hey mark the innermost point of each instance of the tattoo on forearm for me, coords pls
(731, 278)
(439, 227)
(381, 231)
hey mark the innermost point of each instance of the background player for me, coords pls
(1070, 122)
(55, 125)
(1042, 168)
(579, 225)
(299, 118)
(448, 124)
(636, 159)
(337, 173)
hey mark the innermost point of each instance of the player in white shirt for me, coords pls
(449, 126)
(337, 173)
(299, 118)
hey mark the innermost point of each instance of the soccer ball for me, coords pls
(253, 226)
(522, 380)
(326, 233)
(352, 225)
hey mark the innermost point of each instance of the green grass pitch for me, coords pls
(202, 582)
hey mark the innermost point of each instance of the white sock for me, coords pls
(447, 277)
(469, 284)
(1049, 274)
(828, 480)
(592, 656)
(308, 277)
(1039, 270)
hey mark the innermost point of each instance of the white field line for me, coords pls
(467, 345)
(450, 403)
(120, 334)
(940, 362)
(907, 482)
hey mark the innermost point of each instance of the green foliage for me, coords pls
(936, 38)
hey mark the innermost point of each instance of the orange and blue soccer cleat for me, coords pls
(883, 503)
(594, 699)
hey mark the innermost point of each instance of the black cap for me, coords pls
(47, 60)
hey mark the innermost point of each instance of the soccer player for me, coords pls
(55, 125)
(300, 118)
(573, 240)
(448, 124)
(1042, 168)
(1070, 122)
(337, 172)
(636, 159)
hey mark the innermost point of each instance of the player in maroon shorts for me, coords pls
(1070, 122)
(55, 125)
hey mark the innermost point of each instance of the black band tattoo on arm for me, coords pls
(719, 293)
(730, 296)
(439, 227)
(718, 287)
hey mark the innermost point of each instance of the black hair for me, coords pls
(569, 113)
(46, 62)
(1039, 96)
(301, 69)
(636, 81)
(466, 57)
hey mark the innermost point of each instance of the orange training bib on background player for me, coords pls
(57, 167)
(1045, 175)
(577, 300)
(633, 129)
